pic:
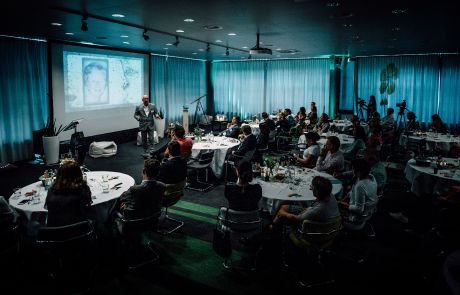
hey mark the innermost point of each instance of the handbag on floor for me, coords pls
(221, 242)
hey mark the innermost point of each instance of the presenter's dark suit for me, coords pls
(173, 170)
(144, 199)
(146, 123)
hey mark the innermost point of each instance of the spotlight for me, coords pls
(227, 53)
(145, 36)
(84, 24)
(208, 47)
(177, 41)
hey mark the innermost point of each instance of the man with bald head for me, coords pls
(145, 114)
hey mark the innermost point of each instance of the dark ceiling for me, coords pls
(311, 27)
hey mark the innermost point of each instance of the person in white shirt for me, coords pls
(388, 121)
(361, 201)
(330, 159)
(311, 153)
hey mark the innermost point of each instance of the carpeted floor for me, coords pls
(394, 262)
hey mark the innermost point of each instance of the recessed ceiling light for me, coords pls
(277, 49)
(231, 34)
(398, 11)
(180, 31)
(118, 15)
(347, 26)
(244, 47)
(168, 44)
(201, 49)
(124, 36)
(395, 29)
(189, 20)
(218, 41)
(56, 24)
(212, 28)
(125, 42)
(70, 34)
(194, 53)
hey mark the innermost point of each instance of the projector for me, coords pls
(260, 50)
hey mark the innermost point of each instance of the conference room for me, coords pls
(230, 146)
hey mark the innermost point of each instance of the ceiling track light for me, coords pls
(177, 41)
(84, 24)
(227, 53)
(145, 36)
(208, 47)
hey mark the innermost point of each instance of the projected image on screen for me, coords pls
(95, 81)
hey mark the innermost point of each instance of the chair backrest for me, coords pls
(240, 221)
(62, 236)
(130, 219)
(206, 157)
(173, 193)
(320, 234)
(248, 155)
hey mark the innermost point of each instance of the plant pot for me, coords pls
(51, 149)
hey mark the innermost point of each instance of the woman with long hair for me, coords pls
(242, 195)
(69, 198)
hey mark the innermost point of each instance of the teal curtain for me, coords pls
(449, 98)
(23, 96)
(413, 78)
(177, 82)
(298, 82)
(347, 81)
(238, 87)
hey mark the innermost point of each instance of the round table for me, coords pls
(342, 125)
(295, 188)
(35, 215)
(424, 181)
(433, 140)
(345, 140)
(221, 146)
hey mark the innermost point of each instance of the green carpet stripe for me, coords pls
(198, 207)
(194, 212)
(192, 216)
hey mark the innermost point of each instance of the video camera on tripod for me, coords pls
(362, 103)
(402, 106)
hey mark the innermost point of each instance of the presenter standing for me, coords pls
(145, 114)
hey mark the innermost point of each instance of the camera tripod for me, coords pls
(401, 122)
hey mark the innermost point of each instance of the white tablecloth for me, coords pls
(221, 146)
(35, 215)
(433, 140)
(424, 181)
(341, 125)
(297, 188)
(345, 140)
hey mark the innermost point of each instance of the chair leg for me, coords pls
(178, 223)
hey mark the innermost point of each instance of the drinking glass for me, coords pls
(105, 187)
(16, 193)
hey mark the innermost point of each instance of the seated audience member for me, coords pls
(301, 115)
(141, 198)
(354, 122)
(359, 144)
(69, 199)
(248, 141)
(362, 198)
(174, 168)
(412, 124)
(388, 121)
(378, 170)
(330, 159)
(286, 121)
(8, 216)
(233, 128)
(323, 209)
(311, 153)
(437, 124)
(374, 142)
(184, 142)
(242, 195)
(266, 127)
(371, 107)
(323, 124)
(313, 114)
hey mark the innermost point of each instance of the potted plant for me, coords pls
(51, 141)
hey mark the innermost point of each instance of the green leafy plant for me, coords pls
(51, 129)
